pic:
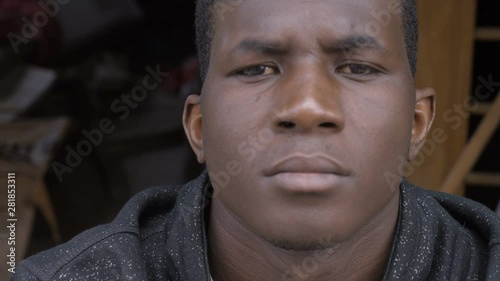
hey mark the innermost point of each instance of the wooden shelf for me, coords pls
(482, 109)
(484, 179)
(488, 34)
(473, 150)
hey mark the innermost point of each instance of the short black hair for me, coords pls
(204, 23)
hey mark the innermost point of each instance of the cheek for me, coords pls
(382, 130)
(226, 132)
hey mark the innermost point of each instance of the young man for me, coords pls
(306, 108)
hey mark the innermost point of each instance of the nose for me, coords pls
(308, 101)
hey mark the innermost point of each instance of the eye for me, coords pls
(357, 69)
(258, 70)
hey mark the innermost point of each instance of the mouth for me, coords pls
(307, 174)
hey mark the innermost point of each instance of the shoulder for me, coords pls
(108, 251)
(465, 235)
(466, 213)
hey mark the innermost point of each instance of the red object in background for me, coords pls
(184, 80)
(14, 15)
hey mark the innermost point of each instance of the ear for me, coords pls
(422, 120)
(192, 122)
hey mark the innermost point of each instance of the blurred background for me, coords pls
(92, 93)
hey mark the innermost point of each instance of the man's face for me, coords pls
(306, 108)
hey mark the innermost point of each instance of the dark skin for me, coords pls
(309, 201)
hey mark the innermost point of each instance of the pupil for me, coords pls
(256, 70)
(356, 68)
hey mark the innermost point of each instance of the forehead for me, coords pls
(308, 19)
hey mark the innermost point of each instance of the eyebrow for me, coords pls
(345, 44)
(354, 42)
(260, 47)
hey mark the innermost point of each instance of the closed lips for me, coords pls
(307, 165)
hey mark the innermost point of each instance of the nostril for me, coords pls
(327, 125)
(286, 124)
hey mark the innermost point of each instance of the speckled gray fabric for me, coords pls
(160, 235)
(444, 237)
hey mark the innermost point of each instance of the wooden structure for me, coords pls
(445, 64)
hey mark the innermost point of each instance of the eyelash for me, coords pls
(370, 70)
(253, 67)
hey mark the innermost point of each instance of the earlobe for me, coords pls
(192, 122)
(423, 118)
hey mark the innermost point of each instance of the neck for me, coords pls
(235, 253)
